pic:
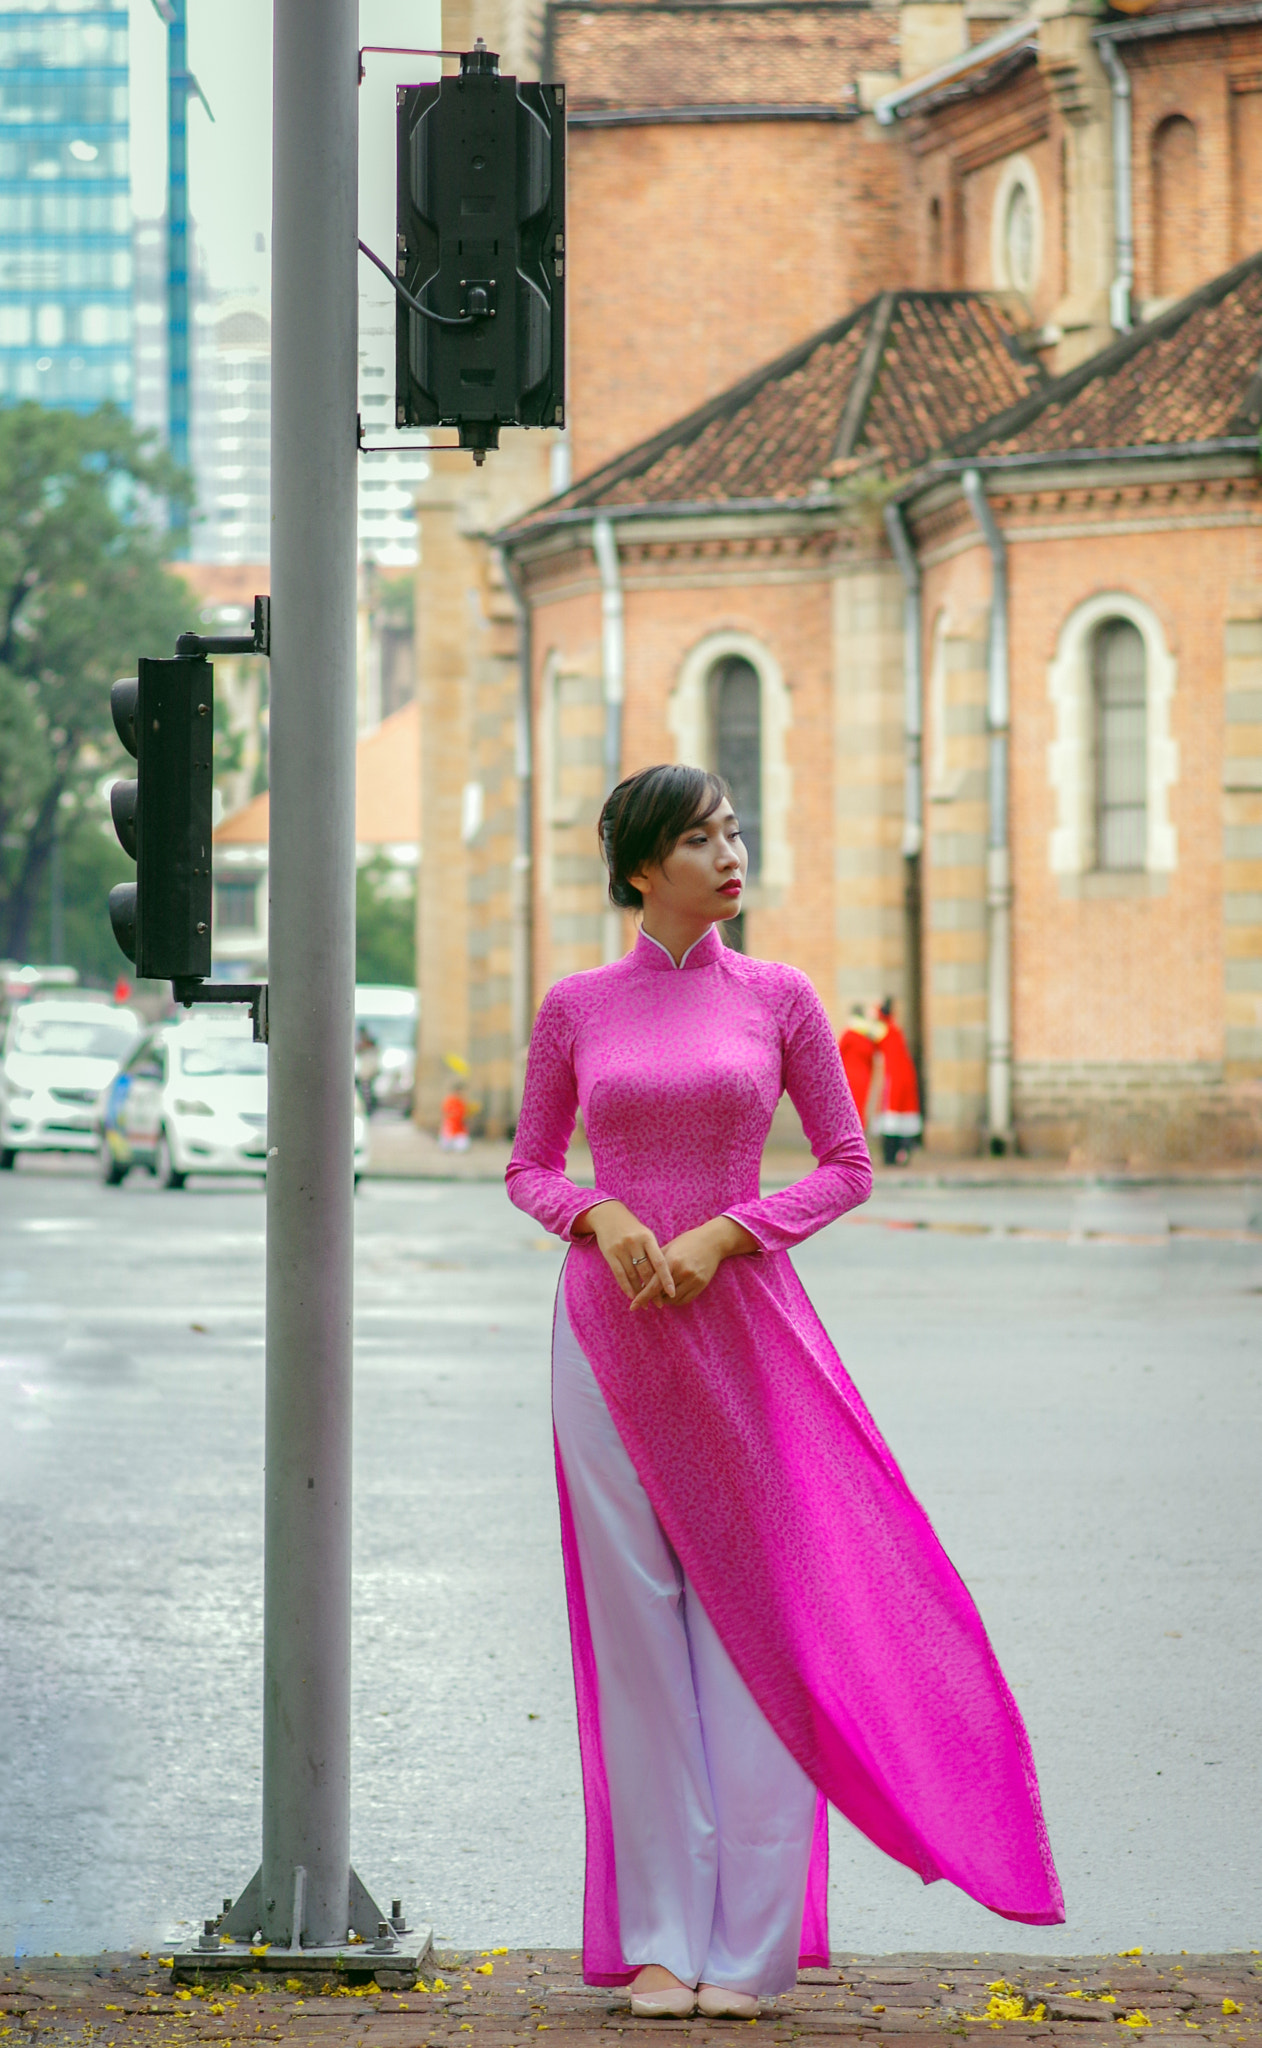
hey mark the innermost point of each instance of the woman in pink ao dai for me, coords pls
(761, 1616)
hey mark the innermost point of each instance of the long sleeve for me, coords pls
(536, 1177)
(815, 1081)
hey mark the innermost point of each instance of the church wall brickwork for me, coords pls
(699, 251)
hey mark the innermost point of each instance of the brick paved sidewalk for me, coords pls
(504, 2000)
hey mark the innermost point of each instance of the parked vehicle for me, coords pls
(386, 1067)
(59, 1051)
(192, 1098)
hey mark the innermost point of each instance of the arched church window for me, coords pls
(1018, 237)
(1176, 201)
(1120, 691)
(736, 724)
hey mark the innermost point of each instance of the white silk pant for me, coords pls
(712, 1817)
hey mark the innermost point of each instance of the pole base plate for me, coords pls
(405, 1959)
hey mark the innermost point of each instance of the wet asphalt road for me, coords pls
(1071, 1378)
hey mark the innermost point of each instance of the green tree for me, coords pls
(83, 593)
(385, 924)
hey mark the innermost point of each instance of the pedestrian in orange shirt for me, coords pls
(453, 1135)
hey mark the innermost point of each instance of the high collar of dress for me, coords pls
(702, 953)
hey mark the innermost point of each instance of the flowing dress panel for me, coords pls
(820, 1570)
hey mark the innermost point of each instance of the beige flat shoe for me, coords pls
(717, 2004)
(663, 2005)
(663, 2002)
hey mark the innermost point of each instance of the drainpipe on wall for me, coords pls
(998, 854)
(521, 999)
(1123, 229)
(913, 812)
(613, 669)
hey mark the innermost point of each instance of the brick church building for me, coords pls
(911, 479)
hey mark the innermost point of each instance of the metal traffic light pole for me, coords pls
(305, 1897)
(311, 963)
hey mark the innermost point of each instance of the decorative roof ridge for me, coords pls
(1104, 363)
(648, 8)
(858, 398)
(1179, 21)
(714, 112)
(893, 106)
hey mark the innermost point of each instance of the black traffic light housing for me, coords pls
(165, 716)
(481, 249)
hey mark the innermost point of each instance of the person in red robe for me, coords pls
(857, 1045)
(900, 1120)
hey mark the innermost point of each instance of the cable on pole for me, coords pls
(439, 319)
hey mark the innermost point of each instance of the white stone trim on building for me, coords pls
(1071, 766)
(688, 715)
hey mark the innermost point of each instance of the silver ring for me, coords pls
(641, 1260)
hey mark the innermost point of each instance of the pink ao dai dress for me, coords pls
(724, 1491)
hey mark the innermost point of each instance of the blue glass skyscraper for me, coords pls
(65, 203)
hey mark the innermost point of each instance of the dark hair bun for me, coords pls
(643, 818)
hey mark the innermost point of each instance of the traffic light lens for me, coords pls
(123, 909)
(123, 812)
(124, 698)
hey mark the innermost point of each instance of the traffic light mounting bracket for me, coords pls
(190, 645)
(190, 989)
(254, 993)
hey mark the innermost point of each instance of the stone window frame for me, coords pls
(1017, 171)
(689, 720)
(1070, 756)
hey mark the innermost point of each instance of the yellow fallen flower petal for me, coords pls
(439, 1984)
(1130, 1951)
(499, 1951)
(1132, 2019)
(217, 2009)
(293, 1984)
(184, 1994)
(420, 1985)
(167, 1962)
(1229, 2005)
(485, 1969)
(260, 1948)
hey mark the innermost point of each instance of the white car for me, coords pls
(59, 1052)
(192, 1098)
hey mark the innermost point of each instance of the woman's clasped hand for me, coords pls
(663, 1275)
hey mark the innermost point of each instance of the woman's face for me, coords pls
(703, 876)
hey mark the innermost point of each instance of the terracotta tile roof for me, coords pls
(1191, 376)
(387, 790)
(633, 53)
(879, 390)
